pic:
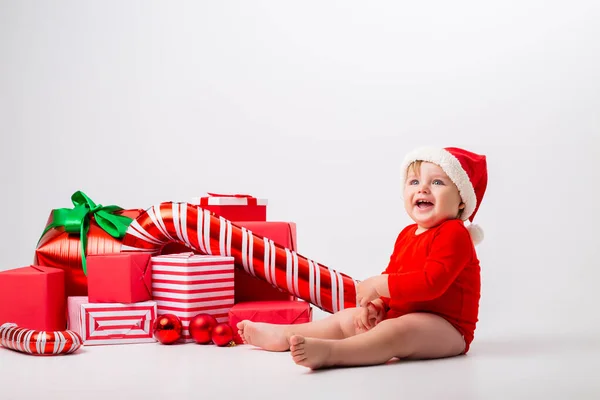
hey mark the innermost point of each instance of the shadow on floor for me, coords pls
(535, 345)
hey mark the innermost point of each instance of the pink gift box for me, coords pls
(112, 323)
(119, 278)
(186, 285)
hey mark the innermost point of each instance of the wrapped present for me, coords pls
(234, 207)
(251, 288)
(112, 323)
(187, 285)
(33, 297)
(72, 234)
(119, 278)
(274, 312)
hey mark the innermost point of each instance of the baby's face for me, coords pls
(430, 197)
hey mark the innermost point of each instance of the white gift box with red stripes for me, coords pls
(112, 323)
(188, 284)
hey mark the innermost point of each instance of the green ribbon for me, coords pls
(77, 220)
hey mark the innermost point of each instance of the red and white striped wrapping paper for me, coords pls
(112, 323)
(187, 285)
(39, 343)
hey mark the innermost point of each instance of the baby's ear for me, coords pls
(461, 206)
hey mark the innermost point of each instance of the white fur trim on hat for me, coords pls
(452, 168)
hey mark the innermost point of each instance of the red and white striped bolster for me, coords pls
(208, 234)
(39, 343)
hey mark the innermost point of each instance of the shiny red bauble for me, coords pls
(222, 335)
(201, 328)
(167, 328)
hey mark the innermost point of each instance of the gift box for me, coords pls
(274, 312)
(112, 323)
(33, 297)
(187, 285)
(234, 207)
(119, 278)
(60, 245)
(250, 288)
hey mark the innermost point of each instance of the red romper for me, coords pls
(437, 272)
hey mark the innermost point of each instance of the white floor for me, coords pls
(525, 367)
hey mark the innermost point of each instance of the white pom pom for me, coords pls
(476, 233)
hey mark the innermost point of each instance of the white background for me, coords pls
(313, 105)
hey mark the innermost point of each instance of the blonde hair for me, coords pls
(415, 168)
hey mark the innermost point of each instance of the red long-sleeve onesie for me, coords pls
(438, 272)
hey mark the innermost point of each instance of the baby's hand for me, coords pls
(366, 291)
(368, 317)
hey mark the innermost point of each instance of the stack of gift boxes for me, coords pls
(127, 291)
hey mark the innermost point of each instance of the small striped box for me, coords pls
(112, 323)
(188, 284)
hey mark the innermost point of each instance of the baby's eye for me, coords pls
(438, 182)
(413, 182)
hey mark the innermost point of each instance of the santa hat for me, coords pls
(467, 170)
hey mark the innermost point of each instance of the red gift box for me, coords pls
(274, 312)
(33, 297)
(59, 248)
(250, 288)
(234, 207)
(119, 278)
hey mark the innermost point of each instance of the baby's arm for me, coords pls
(451, 250)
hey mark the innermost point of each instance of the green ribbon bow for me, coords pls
(77, 220)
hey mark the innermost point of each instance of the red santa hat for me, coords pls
(467, 170)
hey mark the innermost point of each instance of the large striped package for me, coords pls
(188, 284)
(112, 323)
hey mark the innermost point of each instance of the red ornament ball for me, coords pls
(201, 328)
(222, 335)
(167, 328)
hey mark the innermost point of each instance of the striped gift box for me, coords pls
(188, 284)
(112, 323)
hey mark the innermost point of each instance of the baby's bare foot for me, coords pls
(270, 337)
(311, 353)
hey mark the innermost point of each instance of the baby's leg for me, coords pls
(411, 336)
(274, 337)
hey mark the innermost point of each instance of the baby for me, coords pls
(425, 304)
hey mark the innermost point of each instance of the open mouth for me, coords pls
(423, 204)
